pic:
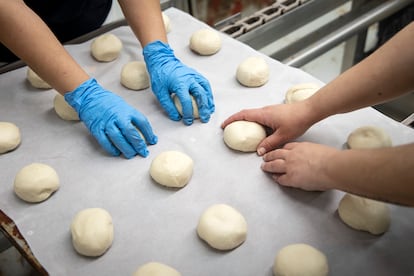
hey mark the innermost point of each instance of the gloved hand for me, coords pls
(168, 76)
(111, 120)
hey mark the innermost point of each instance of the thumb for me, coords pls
(269, 143)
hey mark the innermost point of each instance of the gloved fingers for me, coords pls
(202, 102)
(207, 91)
(141, 122)
(103, 140)
(122, 142)
(184, 97)
(167, 104)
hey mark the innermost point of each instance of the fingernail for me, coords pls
(261, 151)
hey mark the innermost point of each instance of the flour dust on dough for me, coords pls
(63, 109)
(205, 42)
(106, 47)
(36, 182)
(222, 227)
(244, 136)
(368, 137)
(92, 232)
(156, 269)
(10, 137)
(35, 80)
(253, 72)
(300, 259)
(300, 92)
(364, 214)
(134, 75)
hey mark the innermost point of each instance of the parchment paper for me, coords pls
(156, 224)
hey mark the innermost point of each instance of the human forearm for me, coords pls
(144, 18)
(29, 38)
(385, 174)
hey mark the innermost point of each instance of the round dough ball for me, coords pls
(9, 137)
(205, 42)
(92, 232)
(177, 104)
(156, 269)
(167, 22)
(35, 80)
(301, 92)
(172, 169)
(106, 47)
(244, 136)
(134, 75)
(222, 227)
(36, 182)
(63, 109)
(368, 137)
(253, 72)
(364, 214)
(300, 259)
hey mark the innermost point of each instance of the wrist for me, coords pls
(75, 97)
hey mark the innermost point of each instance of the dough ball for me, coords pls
(92, 232)
(253, 72)
(36, 81)
(63, 109)
(156, 269)
(106, 47)
(222, 227)
(9, 137)
(300, 259)
(364, 214)
(244, 135)
(167, 22)
(134, 75)
(177, 104)
(36, 182)
(172, 169)
(205, 42)
(368, 137)
(301, 92)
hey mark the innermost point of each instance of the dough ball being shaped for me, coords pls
(156, 269)
(106, 47)
(36, 182)
(63, 109)
(177, 104)
(35, 80)
(301, 92)
(205, 42)
(364, 214)
(92, 232)
(222, 227)
(134, 75)
(300, 259)
(253, 72)
(368, 137)
(244, 136)
(9, 137)
(167, 22)
(172, 169)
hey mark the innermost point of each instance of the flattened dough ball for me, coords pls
(134, 75)
(300, 259)
(253, 72)
(205, 42)
(106, 47)
(63, 109)
(368, 137)
(177, 104)
(92, 232)
(156, 269)
(172, 169)
(244, 136)
(222, 227)
(364, 214)
(36, 182)
(36, 81)
(301, 92)
(9, 137)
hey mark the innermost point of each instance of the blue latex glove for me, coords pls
(168, 76)
(111, 120)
